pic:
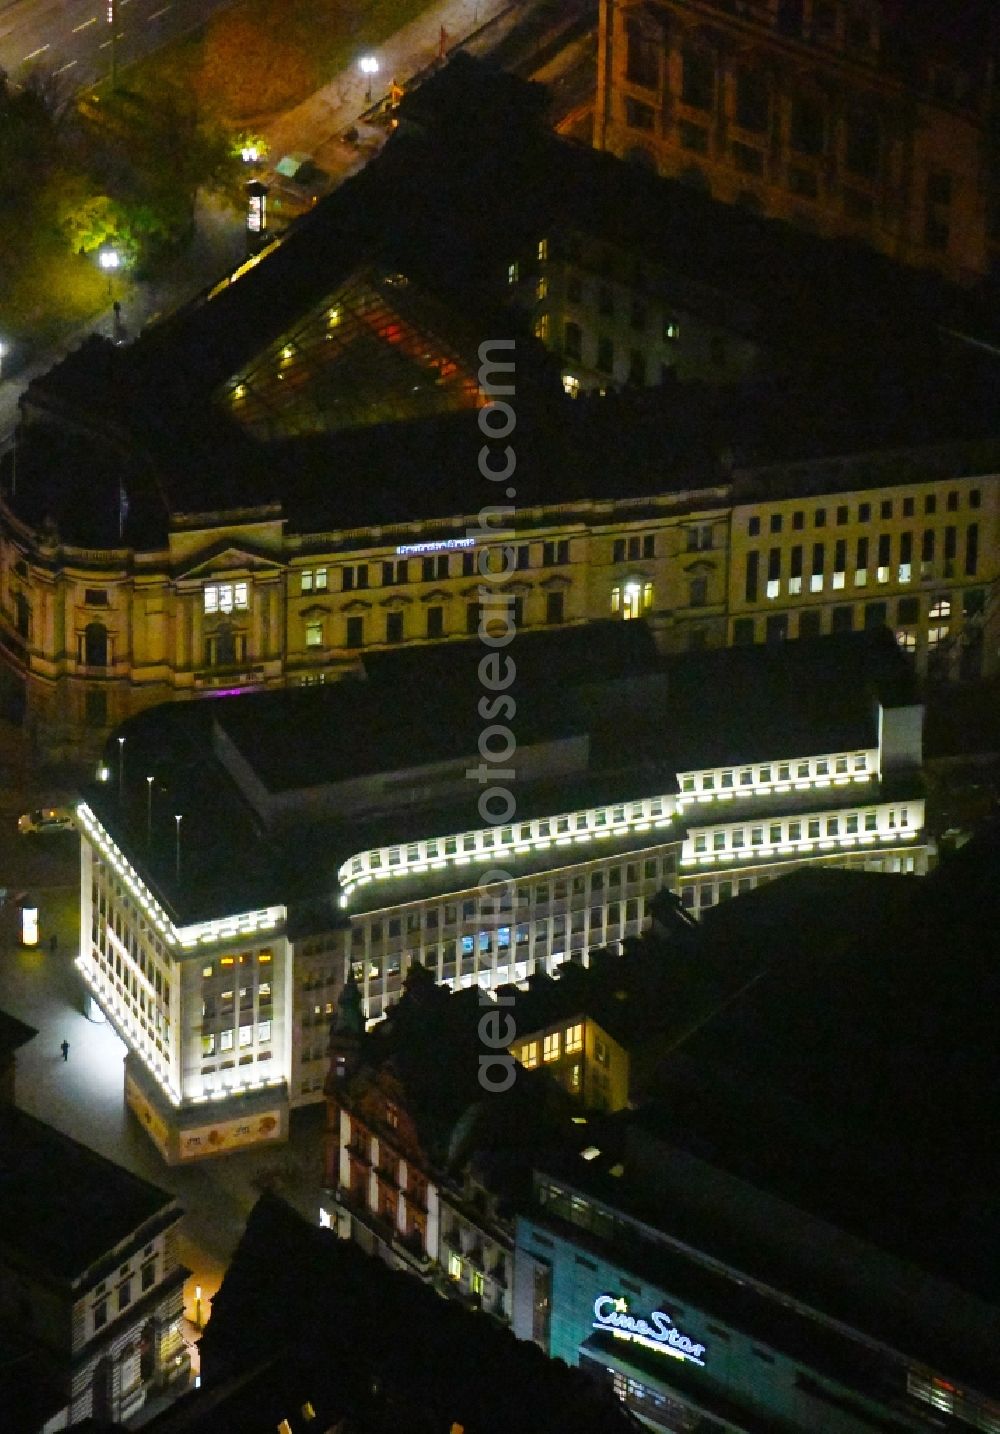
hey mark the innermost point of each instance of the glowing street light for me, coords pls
(368, 65)
(110, 261)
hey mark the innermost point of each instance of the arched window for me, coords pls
(95, 645)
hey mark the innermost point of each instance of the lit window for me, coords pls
(264, 1030)
(512, 273)
(246, 1035)
(225, 597)
(314, 634)
(574, 1039)
(206, 971)
(550, 1047)
(529, 1056)
(455, 1266)
(543, 250)
(571, 385)
(226, 1041)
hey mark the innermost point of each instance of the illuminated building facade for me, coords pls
(236, 602)
(805, 110)
(394, 1180)
(689, 1338)
(227, 1015)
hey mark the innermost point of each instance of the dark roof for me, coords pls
(861, 358)
(419, 705)
(868, 1052)
(297, 1291)
(63, 1208)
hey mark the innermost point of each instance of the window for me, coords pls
(96, 597)
(574, 1039)
(971, 550)
(698, 592)
(908, 610)
(753, 101)
(355, 632)
(124, 1294)
(642, 63)
(554, 554)
(148, 1275)
(554, 605)
(807, 125)
(314, 634)
(861, 151)
(637, 367)
(354, 577)
(435, 622)
(312, 579)
(697, 78)
(101, 1313)
(226, 597)
(434, 567)
(638, 115)
(605, 354)
(752, 577)
(550, 1046)
(529, 1055)
(394, 573)
(394, 627)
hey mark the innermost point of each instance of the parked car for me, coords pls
(46, 819)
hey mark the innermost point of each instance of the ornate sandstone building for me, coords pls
(845, 116)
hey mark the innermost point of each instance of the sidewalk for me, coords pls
(310, 126)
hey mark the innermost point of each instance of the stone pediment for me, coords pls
(229, 559)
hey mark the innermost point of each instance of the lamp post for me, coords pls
(121, 767)
(368, 65)
(109, 260)
(178, 818)
(149, 811)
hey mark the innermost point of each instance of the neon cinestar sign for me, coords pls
(658, 1333)
(446, 546)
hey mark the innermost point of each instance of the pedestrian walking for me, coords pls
(65, 1050)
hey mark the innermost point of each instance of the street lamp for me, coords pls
(109, 260)
(121, 767)
(368, 65)
(149, 811)
(178, 818)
